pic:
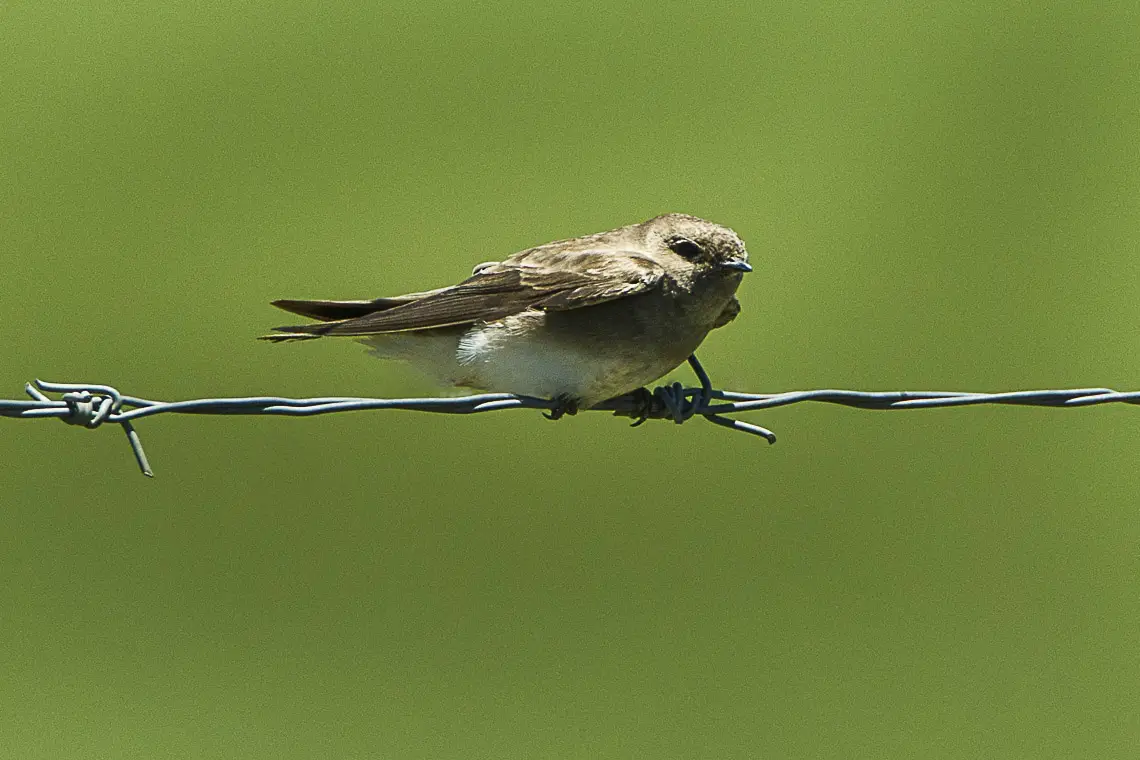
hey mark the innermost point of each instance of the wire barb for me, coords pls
(91, 406)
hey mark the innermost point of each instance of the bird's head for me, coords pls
(705, 246)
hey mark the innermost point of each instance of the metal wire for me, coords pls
(91, 405)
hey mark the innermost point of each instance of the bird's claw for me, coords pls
(643, 403)
(673, 402)
(563, 405)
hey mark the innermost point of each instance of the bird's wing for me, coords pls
(550, 282)
(333, 311)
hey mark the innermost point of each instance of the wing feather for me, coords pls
(556, 283)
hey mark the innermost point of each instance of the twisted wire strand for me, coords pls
(91, 405)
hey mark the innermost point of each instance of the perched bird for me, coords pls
(578, 321)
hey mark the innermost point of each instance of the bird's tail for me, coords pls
(334, 311)
(328, 312)
(289, 333)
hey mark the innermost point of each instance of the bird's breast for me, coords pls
(589, 354)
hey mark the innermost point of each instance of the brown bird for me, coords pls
(578, 321)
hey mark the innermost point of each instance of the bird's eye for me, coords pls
(685, 247)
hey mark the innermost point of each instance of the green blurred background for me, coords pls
(936, 196)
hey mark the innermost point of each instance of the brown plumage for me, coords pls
(582, 319)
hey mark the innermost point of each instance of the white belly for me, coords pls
(517, 355)
(514, 355)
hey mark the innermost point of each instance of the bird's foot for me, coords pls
(671, 402)
(563, 405)
(644, 406)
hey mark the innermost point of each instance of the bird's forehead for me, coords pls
(714, 238)
(718, 236)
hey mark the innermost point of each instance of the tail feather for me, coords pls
(328, 312)
(331, 311)
(295, 332)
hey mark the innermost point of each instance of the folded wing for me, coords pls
(568, 281)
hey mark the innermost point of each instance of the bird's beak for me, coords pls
(739, 265)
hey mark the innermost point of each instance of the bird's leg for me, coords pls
(563, 405)
(682, 403)
(670, 401)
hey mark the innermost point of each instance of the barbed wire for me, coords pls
(91, 405)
